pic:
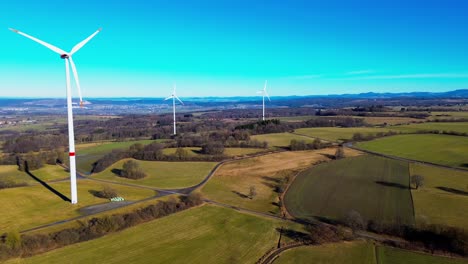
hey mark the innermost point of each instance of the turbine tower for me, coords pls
(67, 56)
(174, 97)
(264, 92)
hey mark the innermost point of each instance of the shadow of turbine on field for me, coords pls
(241, 195)
(392, 184)
(47, 186)
(452, 190)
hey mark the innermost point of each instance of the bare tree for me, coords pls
(252, 192)
(339, 154)
(354, 220)
(417, 181)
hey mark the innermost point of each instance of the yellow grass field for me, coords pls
(232, 181)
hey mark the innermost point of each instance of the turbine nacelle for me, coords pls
(65, 56)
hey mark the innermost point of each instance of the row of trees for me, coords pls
(426, 237)
(15, 245)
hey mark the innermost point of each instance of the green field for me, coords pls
(10, 173)
(444, 197)
(32, 206)
(338, 133)
(206, 234)
(439, 149)
(47, 173)
(448, 115)
(89, 153)
(387, 255)
(161, 174)
(280, 139)
(339, 253)
(460, 127)
(375, 187)
(358, 253)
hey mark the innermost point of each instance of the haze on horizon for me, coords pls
(228, 48)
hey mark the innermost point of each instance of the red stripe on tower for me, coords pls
(72, 154)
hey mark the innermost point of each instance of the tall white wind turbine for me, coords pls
(174, 97)
(264, 93)
(67, 56)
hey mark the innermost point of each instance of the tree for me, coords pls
(181, 154)
(252, 192)
(417, 181)
(132, 170)
(107, 192)
(13, 240)
(339, 154)
(213, 148)
(354, 220)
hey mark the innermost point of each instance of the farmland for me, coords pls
(332, 190)
(359, 252)
(443, 199)
(459, 127)
(31, 206)
(338, 133)
(387, 255)
(281, 139)
(160, 174)
(226, 236)
(348, 252)
(446, 150)
(231, 182)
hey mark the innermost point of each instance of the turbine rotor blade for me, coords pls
(51, 47)
(267, 96)
(77, 80)
(264, 87)
(82, 43)
(178, 99)
(170, 97)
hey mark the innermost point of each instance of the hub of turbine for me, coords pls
(64, 56)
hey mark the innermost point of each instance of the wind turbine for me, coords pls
(67, 56)
(174, 96)
(264, 92)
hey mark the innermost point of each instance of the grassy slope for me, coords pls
(440, 149)
(333, 189)
(87, 154)
(339, 253)
(35, 205)
(10, 173)
(280, 139)
(387, 255)
(260, 172)
(437, 206)
(338, 133)
(206, 234)
(160, 174)
(46, 173)
(461, 127)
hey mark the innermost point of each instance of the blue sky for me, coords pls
(228, 48)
